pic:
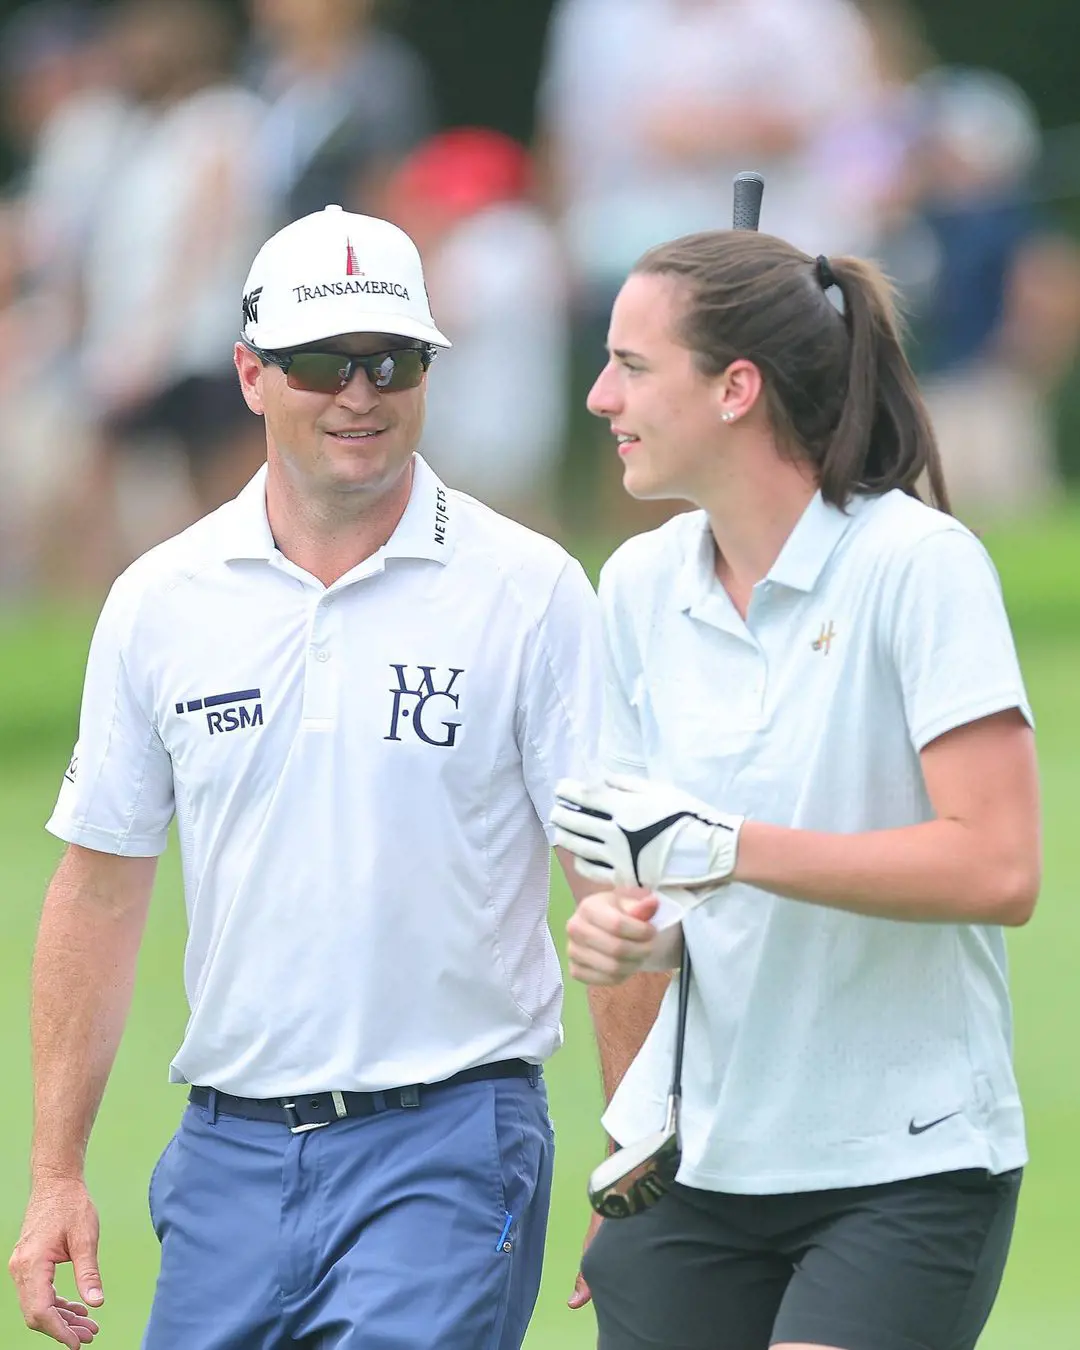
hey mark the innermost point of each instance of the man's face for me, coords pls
(665, 411)
(359, 440)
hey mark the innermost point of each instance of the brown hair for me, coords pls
(840, 390)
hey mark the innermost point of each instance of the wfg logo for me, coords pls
(227, 712)
(425, 723)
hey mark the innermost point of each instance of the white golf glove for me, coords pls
(632, 832)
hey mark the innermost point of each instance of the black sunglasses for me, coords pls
(329, 372)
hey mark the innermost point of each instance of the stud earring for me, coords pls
(727, 417)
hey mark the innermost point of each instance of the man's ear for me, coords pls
(250, 371)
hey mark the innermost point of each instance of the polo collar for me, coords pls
(428, 527)
(243, 523)
(697, 575)
(810, 545)
(799, 565)
(426, 530)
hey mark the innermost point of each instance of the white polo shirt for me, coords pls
(824, 1049)
(361, 777)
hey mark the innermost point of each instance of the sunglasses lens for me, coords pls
(326, 372)
(403, 369)
(317, 372)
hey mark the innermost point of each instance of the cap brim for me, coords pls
(299, 334)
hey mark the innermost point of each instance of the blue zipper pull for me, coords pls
(503, 1244)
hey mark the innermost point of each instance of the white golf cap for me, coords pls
(335, 272)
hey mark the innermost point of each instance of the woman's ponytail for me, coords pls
(884, 438)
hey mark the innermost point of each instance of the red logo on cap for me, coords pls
(352, 267)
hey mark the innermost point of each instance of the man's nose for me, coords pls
(359, 394)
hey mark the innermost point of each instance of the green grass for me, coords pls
(40, 673)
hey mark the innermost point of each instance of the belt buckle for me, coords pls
(295, 1124)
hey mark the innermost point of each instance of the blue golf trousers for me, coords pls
(405, 1230)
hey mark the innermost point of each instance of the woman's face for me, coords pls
(665, 413)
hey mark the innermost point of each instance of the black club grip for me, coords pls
(747, 206)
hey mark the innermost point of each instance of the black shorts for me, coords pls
(201, 413)
(910, 1265)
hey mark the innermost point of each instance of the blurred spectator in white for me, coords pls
(993, 291)
(648, 109)
(861, 155)
(347, 101)
(69, 124)
(166, 261)
(496, 399)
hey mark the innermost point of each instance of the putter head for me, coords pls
(636, 1177)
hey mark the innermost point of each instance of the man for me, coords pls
(354, 689)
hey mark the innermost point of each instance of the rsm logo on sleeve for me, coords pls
(227, 712)
(430, 725)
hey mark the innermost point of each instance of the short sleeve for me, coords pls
(559, 716)
(951, 639)
(621, 744)
(117, 794)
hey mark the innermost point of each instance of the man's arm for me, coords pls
(622, 1017)
(83, 974)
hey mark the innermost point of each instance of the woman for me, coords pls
(814, 688)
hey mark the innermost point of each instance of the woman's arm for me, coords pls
(978, 861)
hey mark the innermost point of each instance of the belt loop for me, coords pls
(410, 1096)
(211, 1105)
(534, 1074)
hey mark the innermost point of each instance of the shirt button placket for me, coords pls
(320, 682)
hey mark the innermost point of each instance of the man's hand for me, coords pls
(610, 937)
(61, 1225)
(582, 1293)
(632, 832)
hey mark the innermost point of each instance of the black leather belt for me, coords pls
(313, 1110)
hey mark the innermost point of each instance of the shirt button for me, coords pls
(322, 655)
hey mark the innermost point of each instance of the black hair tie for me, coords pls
(824, 273)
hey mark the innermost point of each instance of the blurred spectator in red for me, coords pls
(992, 288)
(69, 126)
(347, 101)
(166, 259)
(496, 399)
(648, 110)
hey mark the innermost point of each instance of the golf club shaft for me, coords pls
(680, 1022)
(746, 212)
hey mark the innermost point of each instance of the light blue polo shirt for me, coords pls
(820, 1042)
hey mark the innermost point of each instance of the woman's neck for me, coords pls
(752, 514)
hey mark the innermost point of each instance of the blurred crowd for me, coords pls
(159, 142)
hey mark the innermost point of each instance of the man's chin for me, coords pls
(376, 469)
